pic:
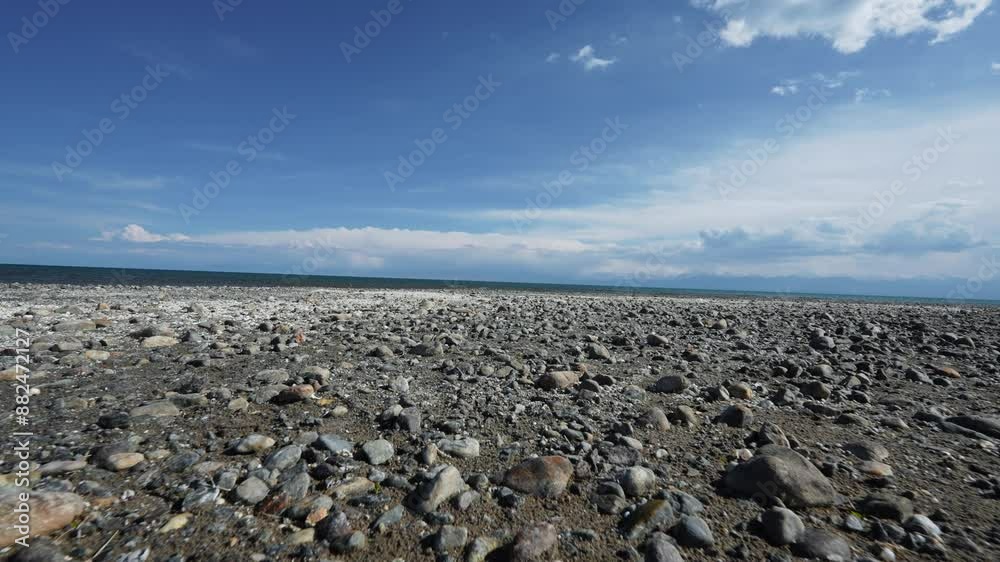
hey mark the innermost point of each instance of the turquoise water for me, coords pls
(117, 276)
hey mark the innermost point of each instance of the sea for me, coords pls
(73, 275)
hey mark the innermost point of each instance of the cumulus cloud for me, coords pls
(588, 58)
(137, 234)
(848, 24)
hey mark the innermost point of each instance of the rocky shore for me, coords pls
(235, 423)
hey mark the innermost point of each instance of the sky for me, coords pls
(829, 146)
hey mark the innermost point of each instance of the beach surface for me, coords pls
(289, 423)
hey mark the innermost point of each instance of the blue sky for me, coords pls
(842, 145)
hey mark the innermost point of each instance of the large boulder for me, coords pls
(779, 472)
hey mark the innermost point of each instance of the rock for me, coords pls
(50, 512)
(283, 458)
(557, 380)
(481, 548)
(175, 523)
(781, 526)
(378, 451)
(740, 391)
(159, 341)
(160, 409)
(693, 532)
(535, 542)
(445, 484)
(982, 424)
(544, 477)
(771, 434)
(823, 545)
(659, 548)
(671, 383)
(778, 472)
(449, 538)
(464, 448)
(656, 419)
(254, 443)
(334, 443)
(293, 394)
(55, 468)
(656, 340)
(923, 525)
(887, 506)
(817, 390)
(684, 415)
(388, 519)
(252, 491)
(867, 450)
(736, 415)
(650, 516)
(122, 461)
(637, 481)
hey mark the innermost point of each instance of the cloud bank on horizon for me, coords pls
(712, 142)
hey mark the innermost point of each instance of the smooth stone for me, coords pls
(671, 384)
(159, 341)
(823, 545)
(534, 542)
(650, 516)
(378, 451)
(544, 477)
(253, 490)
(159, 409)
(557, 380)
(254, 443)
(781, 526)
(444, 485)
(659, 548)
(464, 448)
(693, 532)
(50, 512)
(637, 481)
(779, 472)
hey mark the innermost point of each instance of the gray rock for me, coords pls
(378, 451)
(283, 458)
(778, 472)
(445, 484)
(253, 490)
(637, 481)
(693, 532)
(659, 548)
(823, 545)
(781, 526)
(671, 384)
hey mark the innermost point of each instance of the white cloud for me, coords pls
(791, 86)
(137, 234)
(995, 68)
(553, 57)
(848, 24)
(863, 94)
(785, 89)
(587, 57)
